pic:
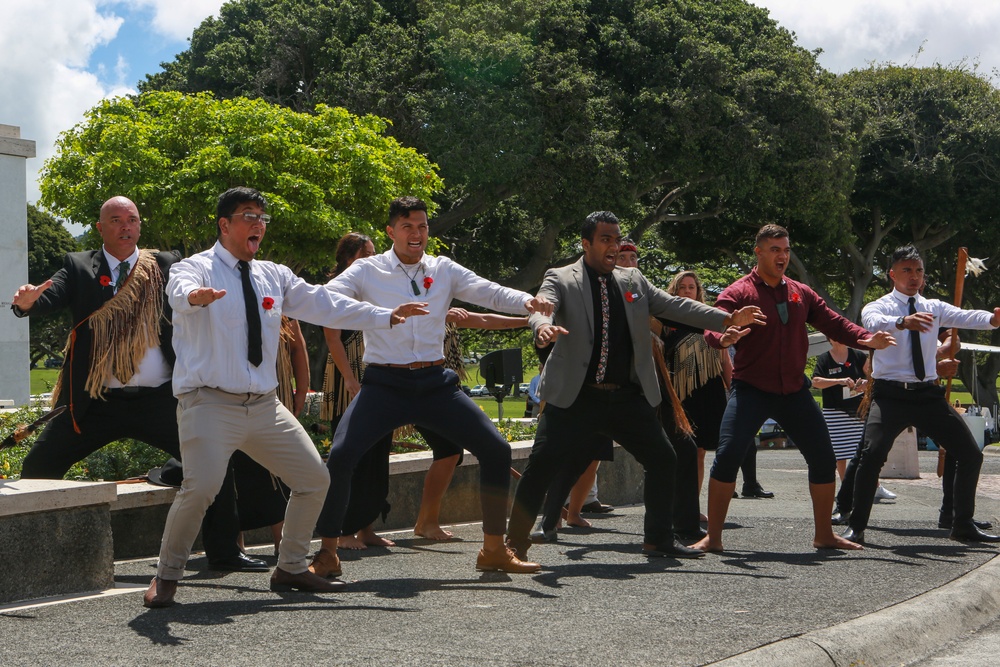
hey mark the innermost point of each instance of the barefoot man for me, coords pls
(769, 382)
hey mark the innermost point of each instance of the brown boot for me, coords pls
(160, 593)
(326, 564)
(284, 581)
(504, 560)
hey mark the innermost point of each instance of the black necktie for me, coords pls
(918, 354)
(254, 344)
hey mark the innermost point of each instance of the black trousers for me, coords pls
(893, 409)
(427, 398)
(799, 416)
(601, 449)
(149, 415)
(624, 416)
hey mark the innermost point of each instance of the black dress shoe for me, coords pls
(856, 536)
(675, 550)
(690, 535)
(945, 522)
(544, 536)
(970, 533)
(756, 492)
(597, 508)
(840, 518)
(238, 563)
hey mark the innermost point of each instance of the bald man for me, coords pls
(115, 379)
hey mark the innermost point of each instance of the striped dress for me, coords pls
(839, 408)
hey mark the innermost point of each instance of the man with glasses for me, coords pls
(225, 381)
(769, 382)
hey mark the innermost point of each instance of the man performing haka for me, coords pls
(600, 379)
(406, 381)
(905, 393)
(769, 381)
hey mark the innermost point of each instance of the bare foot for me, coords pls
(377, 541)
(434, 532)
(706, 544)
(352, 542)
(579, 522)
(836, 542)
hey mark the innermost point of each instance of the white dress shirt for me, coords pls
(384, 280)
(211, 341)
(153, 369)
(896, 363)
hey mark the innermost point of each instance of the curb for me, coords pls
(900, 634)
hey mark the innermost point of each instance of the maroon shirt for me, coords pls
(772, 357)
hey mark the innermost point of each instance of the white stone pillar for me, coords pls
(14, 357)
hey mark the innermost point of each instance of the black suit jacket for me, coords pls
(77, 286)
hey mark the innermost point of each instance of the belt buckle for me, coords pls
(130, 389)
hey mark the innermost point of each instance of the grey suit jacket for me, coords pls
(569, 290)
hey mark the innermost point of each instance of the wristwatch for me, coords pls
(899, 322)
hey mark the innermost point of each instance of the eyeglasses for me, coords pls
(264, 218)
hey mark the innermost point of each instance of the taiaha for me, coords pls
(964, 266)
(24, 430)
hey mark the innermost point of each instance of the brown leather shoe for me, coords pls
(160, 593)
(326, 564)
(283, 581)
(504, 560)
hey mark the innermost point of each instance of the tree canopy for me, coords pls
(324, 173)
(48, 243)
(538, 112)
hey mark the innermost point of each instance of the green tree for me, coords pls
(48, 243)
(324, 173)
(665, 111)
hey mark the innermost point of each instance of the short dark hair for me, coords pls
(590, 223)
(905, 253)
(231, 199)
(770, 231)
(402, 207)
(348, 246)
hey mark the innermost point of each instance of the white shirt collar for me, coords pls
(904, 298)
(228, 258)
(113, 261)
(396, 261)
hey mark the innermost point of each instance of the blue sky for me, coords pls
(59, 58)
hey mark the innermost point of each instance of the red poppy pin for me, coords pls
(795, 297)
(105, 280)
(268, 303)
(428, 281)
(631, 296)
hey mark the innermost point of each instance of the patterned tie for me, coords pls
(122, 275)
(602, 362)
(915, 350)
(254, 344)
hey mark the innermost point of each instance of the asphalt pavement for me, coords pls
(769, 599)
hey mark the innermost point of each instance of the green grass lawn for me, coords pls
(43, 379)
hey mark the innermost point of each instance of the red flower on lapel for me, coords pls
(631, 296)
(268, 303)
(795, 297)
(428, 281)
(105, 280)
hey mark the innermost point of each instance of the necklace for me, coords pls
(413, 278)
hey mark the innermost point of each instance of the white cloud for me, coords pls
(177, 19)
(45, 47)
(854, 33)
(45, 50)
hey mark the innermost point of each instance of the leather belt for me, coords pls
(924, 384)
(414, 366)
(605, 386)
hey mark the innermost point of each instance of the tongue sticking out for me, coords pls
(253, 244)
